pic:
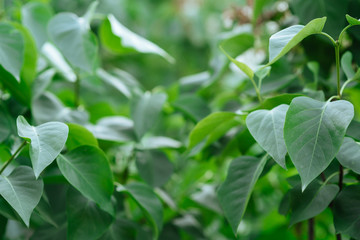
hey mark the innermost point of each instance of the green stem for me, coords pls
(12, 157)
(344, 85)
(257, 90)
(329, 37)
(337, 58)
(343, 32)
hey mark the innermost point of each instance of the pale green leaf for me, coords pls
(119, 39)
(22, 191)
(46, 142)
(35, 16)
(314, 132)
(145, 110)
(349, 155)
(11, 49)
(282, 42)
(74, 39)
(267, 127)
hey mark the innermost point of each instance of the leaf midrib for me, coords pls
(316, 139)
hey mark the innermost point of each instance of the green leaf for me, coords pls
(114, 82)
(35, 16)
(192, 106)
(88, 170)
(271, 102)
(22, 191)
(346, 65)
(235, 192)
(157, 142)
(352, 21)
(210, 124)
(116, 129)
(267, 127)
(85, 219)
(46, 142)
(315, 199)
(122, 229)
(149, 203)
(282, 42)
(76, 42)
(154, 167)
(242, 66)
(79, 135)
(349, 154)
(28, 70)
(118, 39)
(56, 59)
(314, 132)
(42, 82)
(145, 111)
(11, 49)
(347, 211)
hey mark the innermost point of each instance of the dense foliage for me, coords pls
(245, 127)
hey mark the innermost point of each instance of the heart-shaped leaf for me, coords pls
(315, 199)
(349, 154)
(267, 127)
(46, 141)
(314, 132)
(88, 170)
(235, 192)
(282, 42)
(22, 191)
(11, 49)
(117, 38)
(76, 42)
(85, 219)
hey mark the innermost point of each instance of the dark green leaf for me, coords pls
(46, 141)
(22, 191)
(85, 219)
(145, 111)
(88, 170)
(193, 106)
(347, 211)
(315, 199)
(148, 202)
(235, 192)
(267, 127)
(314, 132)
(154, 167)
